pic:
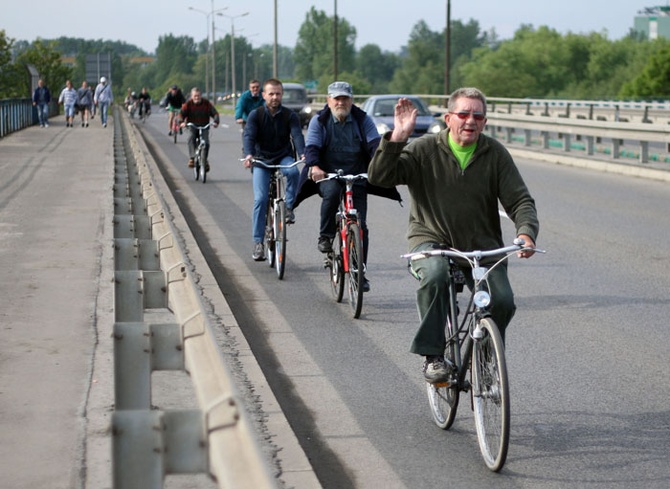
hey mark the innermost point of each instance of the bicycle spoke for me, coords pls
(355, 272)
(491, 396)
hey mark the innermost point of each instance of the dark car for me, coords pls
(380, 108)
(295, 98)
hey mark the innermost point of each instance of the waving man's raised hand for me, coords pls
(404, 120)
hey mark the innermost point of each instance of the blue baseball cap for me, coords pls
(340, 89)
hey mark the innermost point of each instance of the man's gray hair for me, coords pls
(467, 92)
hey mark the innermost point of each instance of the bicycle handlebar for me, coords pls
(519, 245)
(273, 167)
(340, 176)
(202, 128)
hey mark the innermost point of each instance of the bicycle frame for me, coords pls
(199, 169)
(348, 246)
(475, 346)
(275, 215)
(347, 213)
(462, 334)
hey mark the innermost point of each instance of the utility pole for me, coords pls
(447, 52)
(335, 67)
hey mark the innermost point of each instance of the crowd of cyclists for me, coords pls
(453, 177)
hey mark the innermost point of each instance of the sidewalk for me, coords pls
(55, 228)
(56, 347)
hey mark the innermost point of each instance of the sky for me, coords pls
(387, 23)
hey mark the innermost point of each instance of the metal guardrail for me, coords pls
(16, 114)
(588, 130)
(151, 272)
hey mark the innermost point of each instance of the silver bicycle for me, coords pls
(475, 353)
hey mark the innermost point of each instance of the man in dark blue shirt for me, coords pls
(272, 134)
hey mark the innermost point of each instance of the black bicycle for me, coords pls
(200, 167)
(275, 216)
(474, 346)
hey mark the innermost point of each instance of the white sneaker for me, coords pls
(435, 369)
(259, 252)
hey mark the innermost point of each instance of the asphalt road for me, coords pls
(587, 351)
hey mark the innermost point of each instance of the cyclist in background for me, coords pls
(198, 110)
(173, 102)
(144, 102)
(130, 102)
(248, 101)
(456, 180)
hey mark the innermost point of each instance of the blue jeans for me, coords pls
(261, 182)
(104, 108)
(43, 113)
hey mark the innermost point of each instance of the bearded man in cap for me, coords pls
(341, 137)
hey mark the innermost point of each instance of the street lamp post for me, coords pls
(206, 14)
(232, 49)
(217, 12)
(447, 52)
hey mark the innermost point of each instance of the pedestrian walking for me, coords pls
(41, 100)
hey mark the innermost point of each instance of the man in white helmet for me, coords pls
(103, 98)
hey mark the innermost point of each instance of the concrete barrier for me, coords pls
(152, 272)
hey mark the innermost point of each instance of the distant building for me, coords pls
(653, 22)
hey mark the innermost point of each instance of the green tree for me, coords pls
(10, 79)
(654, 79)
(174, 56)
(314, 50)
(422, 70)
(376, 67)
(48, 63)
(532, 64)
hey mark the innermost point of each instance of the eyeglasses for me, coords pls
(478, 116)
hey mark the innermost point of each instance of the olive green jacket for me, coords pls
(455, 207)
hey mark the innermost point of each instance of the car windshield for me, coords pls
(294, 95)
(385, 107)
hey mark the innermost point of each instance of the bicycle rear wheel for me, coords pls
(335, 269)
(280, 238)
(490, 394)
(356, 268)
(270, 233)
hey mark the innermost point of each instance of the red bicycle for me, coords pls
(347, 257)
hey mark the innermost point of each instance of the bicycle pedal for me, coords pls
(441, 384)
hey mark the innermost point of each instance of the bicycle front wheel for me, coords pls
(196, 167)
(490, 394)
(335, 269)
(280, 238)
(356, 269)
(270, 233)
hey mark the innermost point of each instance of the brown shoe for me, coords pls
(191, 163)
